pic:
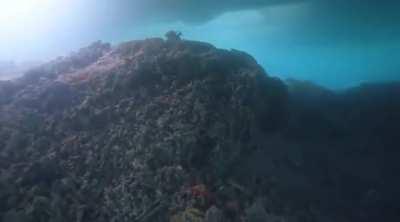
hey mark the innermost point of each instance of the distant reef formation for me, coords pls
(11, 70)
(178, 130)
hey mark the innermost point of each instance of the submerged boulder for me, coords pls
(129, 126)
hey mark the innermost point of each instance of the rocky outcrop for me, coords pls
(177, 130)
(111, 133)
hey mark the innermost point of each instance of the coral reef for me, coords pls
(178, 130)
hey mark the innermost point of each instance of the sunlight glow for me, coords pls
(17, 14)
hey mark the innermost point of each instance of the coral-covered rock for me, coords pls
(111, 133)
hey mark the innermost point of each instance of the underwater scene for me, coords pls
(199, 111)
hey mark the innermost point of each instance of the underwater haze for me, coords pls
(199, 110)
(336, 44)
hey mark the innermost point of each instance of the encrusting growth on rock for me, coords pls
(178, 130)
(114, 133)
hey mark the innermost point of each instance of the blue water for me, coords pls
(336, 44)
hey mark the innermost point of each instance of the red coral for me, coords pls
(201, 191)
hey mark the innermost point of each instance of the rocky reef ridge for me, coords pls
(178, 130)
(109, 133)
